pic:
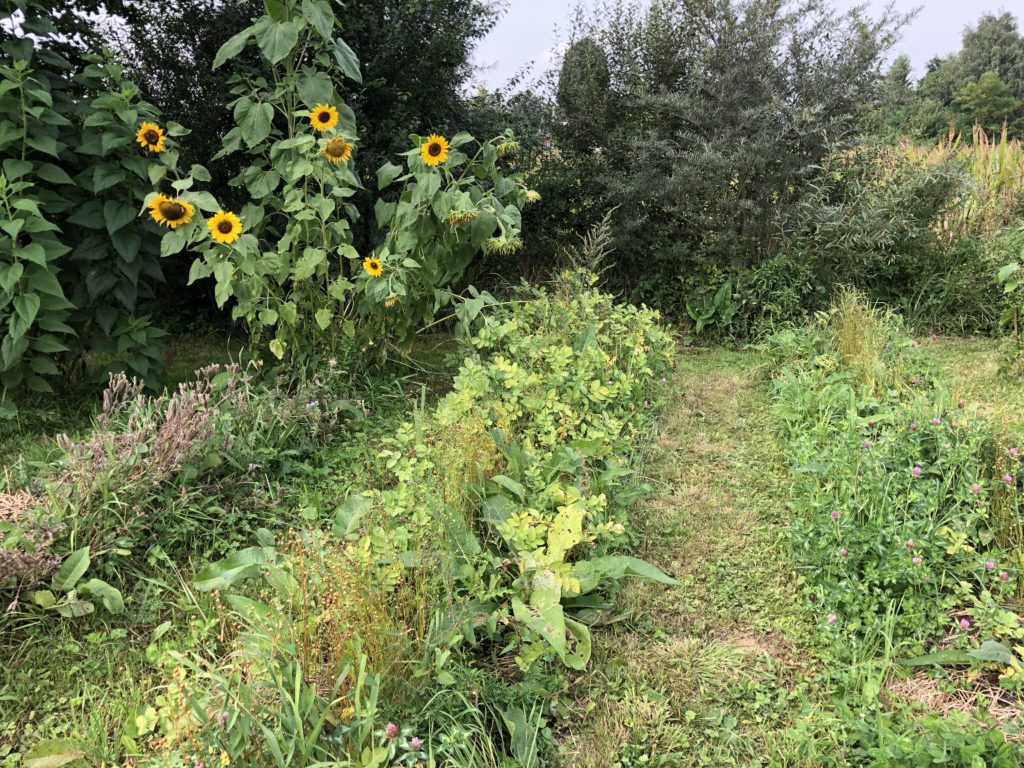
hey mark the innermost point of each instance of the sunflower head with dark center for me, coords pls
(172, 211)
(324, 117)
(225, 227)
(434, 149)
(151, 136)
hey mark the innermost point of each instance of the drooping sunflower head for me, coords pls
(338, 150)
(170, 211)
(323, 117)
(503, 244)
(457, 218)
(151, 136)
(225, 227)
(434, 150)
(373, 266)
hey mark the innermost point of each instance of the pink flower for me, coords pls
(917, 560)
(868, 444)
(391, 731)
(989, 565)
(1008, 479)
(936, 421)
(910, 543)
(832, 618)
(844, 553)
(962, 404)
(415, 743)
(916, 471)
(835, 514)
(222, 717)
(952, 425)
(965, 624)
(975, 489)
(1013, 452)
(1004, 576)
(913, 426)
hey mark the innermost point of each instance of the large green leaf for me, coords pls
(277, 40)
(71, 570)
(239, 565)
(589, 573)
(347, 60)
(320, 16)
(53, 753)
(234, 46)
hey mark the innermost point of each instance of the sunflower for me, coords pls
(337, 150)
(151, 136)
(170, 211)
(323, 117)
(434, 150)
(373, 266)
(225, 227)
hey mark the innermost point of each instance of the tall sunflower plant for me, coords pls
(455, 202)
(285, 256)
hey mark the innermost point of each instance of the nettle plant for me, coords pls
(286, 258)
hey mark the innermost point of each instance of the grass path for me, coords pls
(711, 672)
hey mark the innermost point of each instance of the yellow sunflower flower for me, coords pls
(434, 150)
(373, 266)
(323, 117)
(170, 211)
(337, 151)
(151, 136)
(225, 227)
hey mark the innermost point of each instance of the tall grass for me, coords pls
(996, 166)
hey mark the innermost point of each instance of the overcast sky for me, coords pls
(529, 32)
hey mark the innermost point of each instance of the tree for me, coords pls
(584, 97)
(989, 102)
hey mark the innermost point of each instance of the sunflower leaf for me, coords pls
(277, 40)
(232, 47)
(319, 14)
(347, 60)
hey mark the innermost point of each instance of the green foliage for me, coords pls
(508, 503)
(294, 275)
(990, 103)
(892, 487)
(699, 160)
(74, 265)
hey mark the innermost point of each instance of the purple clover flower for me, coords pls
(832, 618)
(391, 731)
(415, 743)
(917, 560)
(835, 514)
(965, 624)
(989, 565)
(916, 471)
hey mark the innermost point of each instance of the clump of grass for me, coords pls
(861, 337)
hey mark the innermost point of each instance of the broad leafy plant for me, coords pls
(286, 260)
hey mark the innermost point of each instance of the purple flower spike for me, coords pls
(916, 471)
